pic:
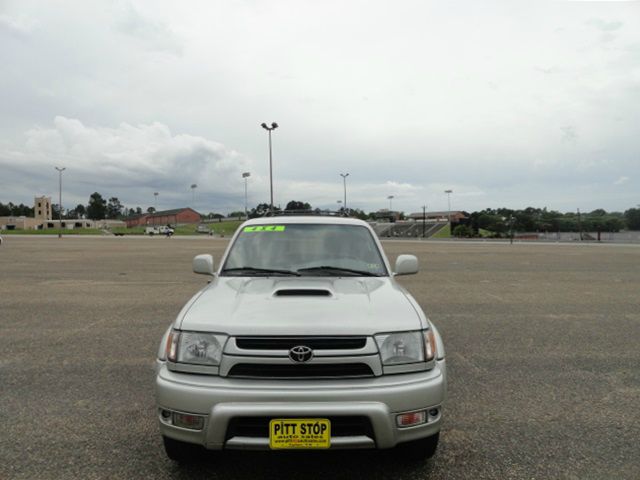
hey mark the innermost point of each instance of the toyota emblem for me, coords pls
(301, 353)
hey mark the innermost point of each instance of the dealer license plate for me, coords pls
(303, 433)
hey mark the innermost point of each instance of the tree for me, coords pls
(238, 214)
(613, 224)
(297, 206)
(463, 231)
(55, 211)
(97, 208)
(138, 211)
(632, 217)
(261, 209)
(151, 210)
(13, 210)
(114, 208)
(357, 213)
(80, 211)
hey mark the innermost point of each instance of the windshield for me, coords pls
(304, 249)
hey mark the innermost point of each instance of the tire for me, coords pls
(422, 449)
(181, 452)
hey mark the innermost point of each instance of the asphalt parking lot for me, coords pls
(543, 348)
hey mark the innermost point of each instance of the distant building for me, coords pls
(456, 216)
(42, 219)
(42, 208)
(165, 217)
(42, 215)
(386, 215)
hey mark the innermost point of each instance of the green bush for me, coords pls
(463, 231)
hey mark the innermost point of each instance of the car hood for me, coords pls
(301, 306)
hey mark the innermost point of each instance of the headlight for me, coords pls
(195, 347)
(399, 348)
(406, 347)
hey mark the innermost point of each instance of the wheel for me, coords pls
(181, 452)
(421, 449)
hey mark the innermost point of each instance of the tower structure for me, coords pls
(42, 208)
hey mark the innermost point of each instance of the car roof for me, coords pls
(305, 219)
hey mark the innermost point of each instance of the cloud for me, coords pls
(622, 180)
(543, 117)
(129, 161)
(604, 25)
(17, 25)
(607, 29)
(154, 35)
(549, 70)
(569, 134)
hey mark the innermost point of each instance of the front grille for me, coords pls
(341, 426)
(320, 370)
(287, 343)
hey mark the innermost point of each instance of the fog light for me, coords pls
(433, 412)
(184, 420)
(166, 414)
(411, 419)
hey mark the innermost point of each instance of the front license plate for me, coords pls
(303, 433)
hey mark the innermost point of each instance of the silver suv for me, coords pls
(302, 339)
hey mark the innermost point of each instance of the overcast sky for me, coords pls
(508, 104)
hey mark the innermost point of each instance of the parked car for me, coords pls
(301, 339)
(203, 228)
(159, 230)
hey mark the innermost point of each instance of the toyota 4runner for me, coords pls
(302, 339)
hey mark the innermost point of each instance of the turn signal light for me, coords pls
(411, 419)
(192, 422)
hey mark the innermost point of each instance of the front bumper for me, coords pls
(378, 399)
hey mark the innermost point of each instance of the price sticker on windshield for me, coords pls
(265, 228)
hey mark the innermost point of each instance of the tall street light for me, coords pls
(449, 192)
(155, 194)
(60, 170)
(245, 175)
(424, 218)
(193, 194)
(390, 198)
(344, 180)
(273, 126)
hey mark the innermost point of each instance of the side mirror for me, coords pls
(406, 265)
(203, 264)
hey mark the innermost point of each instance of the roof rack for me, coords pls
(316, 212)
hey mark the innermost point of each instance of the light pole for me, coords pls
(60, 170)
(580, 224)
(338, 202)
(245, 175)
(193, 194)
(511, 229)
(390, 198)
(269, 129)
(449, 192)
(155, 194)
(344, 181)
(424, 218)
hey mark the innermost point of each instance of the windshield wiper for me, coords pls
(266, 271)
(330, 269)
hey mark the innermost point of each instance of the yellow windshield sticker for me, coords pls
(265, 228)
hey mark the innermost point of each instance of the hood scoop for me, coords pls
(302, 292)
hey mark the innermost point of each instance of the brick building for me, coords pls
(456, 216)
(165, 217)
